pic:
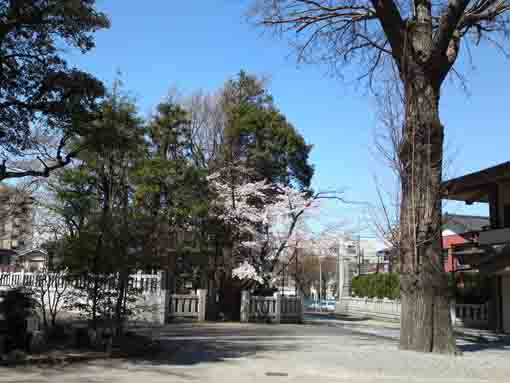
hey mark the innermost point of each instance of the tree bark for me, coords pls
(425, 322)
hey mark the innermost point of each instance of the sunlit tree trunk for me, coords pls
(425, 322)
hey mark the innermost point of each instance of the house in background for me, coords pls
(489, 251)
(32, 260)
(372, 256)
(460, 230)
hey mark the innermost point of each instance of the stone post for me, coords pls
(162, 296)
(245, 306)
(302, 308)
(202, 304)
(453, 312)
(278, 308)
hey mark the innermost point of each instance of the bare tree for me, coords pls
(420, 41)
(53, 293)
(207, 125)
(385, 215)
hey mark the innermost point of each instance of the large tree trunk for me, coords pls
(425, 323)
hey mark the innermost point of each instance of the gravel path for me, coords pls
(320, 351)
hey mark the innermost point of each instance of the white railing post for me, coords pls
(202, 304)
(302, 309)
(453, 311)
(163, 307)
(138, 280)
(245, 306)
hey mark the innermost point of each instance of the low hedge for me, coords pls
(469, 288)
(376, 286)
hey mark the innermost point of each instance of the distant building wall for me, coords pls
(16, 219)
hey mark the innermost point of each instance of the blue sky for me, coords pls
(197, 44)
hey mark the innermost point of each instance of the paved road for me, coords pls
(319, 351)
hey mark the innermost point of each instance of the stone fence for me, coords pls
(275, 309)
(144, 283)
(190, 306)
(463, 315)
(381, 308)
(152, 302)
(149, 305)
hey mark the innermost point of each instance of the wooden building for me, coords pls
(489, 251)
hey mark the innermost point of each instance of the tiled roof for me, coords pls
(467, 222)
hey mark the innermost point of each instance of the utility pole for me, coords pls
(340, 272)
(358, 246)
(358, 254)
(320, 284)
(283, 278)
(296, 277)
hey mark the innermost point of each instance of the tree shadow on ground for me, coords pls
(479, 342)
(183, 345)
(335, 316)
(196, 350)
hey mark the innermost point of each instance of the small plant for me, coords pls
(53, 294)
(16, 306)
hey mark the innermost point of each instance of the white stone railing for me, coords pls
(463, 315)
(471, 315)
(291, 309)
(149, 305)
(146, 283)
(189, 306)
(385, 308)
(275, 309)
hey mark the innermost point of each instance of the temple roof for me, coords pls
(473, 187)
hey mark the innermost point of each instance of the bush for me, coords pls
(17, 305)
(472, 288)
(377, 286)
(469, 288)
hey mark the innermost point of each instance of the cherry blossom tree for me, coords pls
(267, 219)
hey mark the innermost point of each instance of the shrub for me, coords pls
(17, 305)
(472, 288)
(377, 286)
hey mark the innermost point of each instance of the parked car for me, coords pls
(328, 305)
(324, 305)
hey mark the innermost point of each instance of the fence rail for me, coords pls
(291, 309)
(271, 309)
(150, 283)
(462, 314)
(385, 308)
(263, 308)
(472, 315)
(189, 306)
